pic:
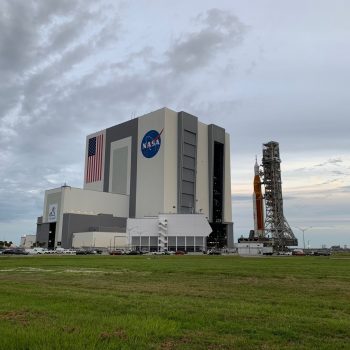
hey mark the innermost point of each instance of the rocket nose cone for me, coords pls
(256, 169)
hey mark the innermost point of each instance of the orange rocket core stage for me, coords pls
(258, 203)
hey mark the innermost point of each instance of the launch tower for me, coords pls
(276, 226)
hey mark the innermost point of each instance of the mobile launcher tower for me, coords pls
(276, 227)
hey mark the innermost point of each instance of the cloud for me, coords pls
(328, 182)
(43, 47)
(219, 32)
(339, 172)
(345, 189)
(23, 25)
(331, 161)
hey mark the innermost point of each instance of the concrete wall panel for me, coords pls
(150, 171)
(170, 162)
(202, 188)
(227, 182)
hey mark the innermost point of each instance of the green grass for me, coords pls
(175, 302)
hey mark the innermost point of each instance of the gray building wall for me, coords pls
(42, 232)
(73, 223)
(119, 132)
(230, 237)
(120, 171)
(187, 162)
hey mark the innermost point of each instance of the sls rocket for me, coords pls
(258, 203)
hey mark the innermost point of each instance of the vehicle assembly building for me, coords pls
(157, 182)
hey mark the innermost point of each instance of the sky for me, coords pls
(264, 70)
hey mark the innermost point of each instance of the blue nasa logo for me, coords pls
(151, 143)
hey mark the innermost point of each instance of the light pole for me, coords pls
(303, 231)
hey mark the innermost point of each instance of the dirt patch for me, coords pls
(70, 329)
(218, 347)
(173, 344)
(23, 317)
(26, 269)
(167, 345)
(119, 334)
(33, 269)
(86, 271)
(18, 317)
(83, 271)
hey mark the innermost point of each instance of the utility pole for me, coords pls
(303, 231)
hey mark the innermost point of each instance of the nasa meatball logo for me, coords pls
(151, 143)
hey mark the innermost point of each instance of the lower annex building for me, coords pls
(161, 181)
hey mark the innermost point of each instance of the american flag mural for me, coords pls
(94, 159)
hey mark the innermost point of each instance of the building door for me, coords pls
(218, 238)
(52, 236)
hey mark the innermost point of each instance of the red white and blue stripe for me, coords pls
(94, 159)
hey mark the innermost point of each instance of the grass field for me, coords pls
(174, 302)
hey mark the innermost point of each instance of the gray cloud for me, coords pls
(331, 161)
(339, 172)
(327, 168)
(220, 31)
(22, 24)
(37, 105)
(328, 182)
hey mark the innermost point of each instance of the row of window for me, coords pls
(174, 243)
(189, 249)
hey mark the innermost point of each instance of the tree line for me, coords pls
(5, 244)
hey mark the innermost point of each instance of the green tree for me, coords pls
(8, 244)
